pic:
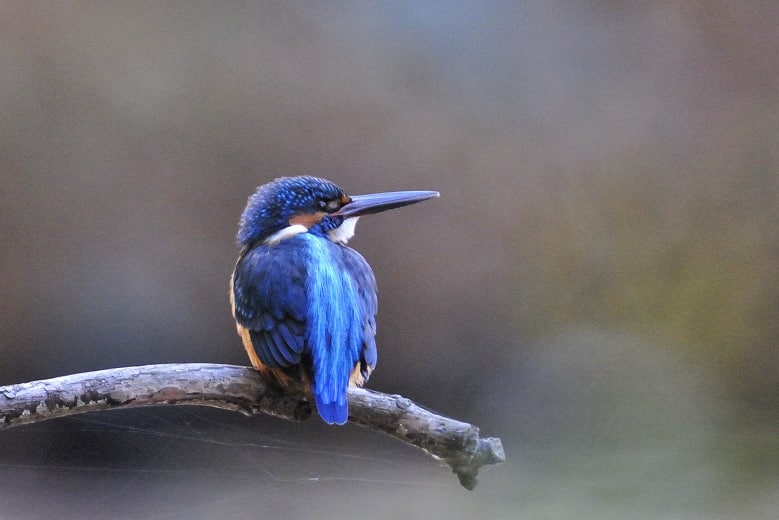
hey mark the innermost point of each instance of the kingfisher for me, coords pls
(304, 302)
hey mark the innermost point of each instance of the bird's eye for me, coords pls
(329, 206)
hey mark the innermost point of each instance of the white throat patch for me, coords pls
(287, 232)
(344, 232)
(339, 235)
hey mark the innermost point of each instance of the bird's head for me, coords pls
(291, 205)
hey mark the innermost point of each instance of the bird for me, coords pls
(304, 302)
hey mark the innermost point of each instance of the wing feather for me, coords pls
(365, 282)
(269, 301)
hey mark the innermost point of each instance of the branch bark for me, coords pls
(244, 390)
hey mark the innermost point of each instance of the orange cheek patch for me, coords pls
(307, 219)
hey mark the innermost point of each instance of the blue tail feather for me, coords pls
(332, 413)
(334, 327)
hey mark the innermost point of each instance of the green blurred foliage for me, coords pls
(688, 258)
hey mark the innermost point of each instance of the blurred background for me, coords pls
(598, 284)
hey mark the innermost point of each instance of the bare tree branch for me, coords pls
(244, 390)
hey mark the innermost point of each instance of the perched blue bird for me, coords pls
(304, 303)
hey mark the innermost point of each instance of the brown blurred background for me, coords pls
(598, 284)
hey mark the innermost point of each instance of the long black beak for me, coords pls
(378, 202)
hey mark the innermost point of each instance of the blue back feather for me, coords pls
(334, 327)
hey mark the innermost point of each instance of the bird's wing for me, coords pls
(365, 282)
(269, 302)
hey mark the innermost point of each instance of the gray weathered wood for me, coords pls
(244, 390)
